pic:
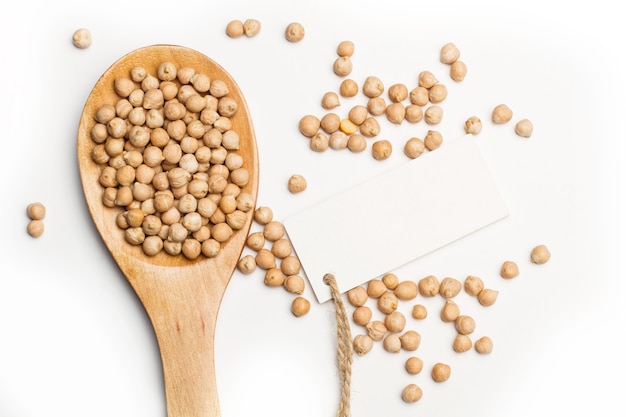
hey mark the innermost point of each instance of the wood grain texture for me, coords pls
(181, 297)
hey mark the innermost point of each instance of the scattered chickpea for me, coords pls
(36, 211)
(338, 140)
(358, 114)
(342, 66)
(414, 147)
(362, 344)
(356, 143)
(411, 393)
(390, 280)
(281, 248)
(309, 125)
(387, 303)
(450, 311)
(414, 365)
(357, 296)
(376, 288)
(487, 297)
(345, 48)
(396, 113)
(428, 286)
(501, 114)
(473, 285)
(397, 92)
(462, 343)
(82, 38)
(234, 29)
(251, 27)
(433, 140)
(247, 264)
(370, 127)
(524, 128)
(392, 343)
(440, 372)
(381, 149)
(376, 330)
(473, 125)
(449, 53)
(433, 115)
(294, 284)
(376, 106)
(395, 321)
(426, 79)
(362, 315)
(330, 100)
(449, 287)
(458, 71)
(419, 96)
(263, 215)
(373, 86)
(540, 254)
(419, 312)
(274, 277)
(256, 241)
(297, 183)
(294, 32)
(484, 345)
(265, 259)
(509, 270)
(437, 93)
(410, 340)
(273, 231)
(413, 113)
(348, 88)
(290, 265)
(35, 228)
(300, 306)
(465, 324)
(347, 126)
(406, 290)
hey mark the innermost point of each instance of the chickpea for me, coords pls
(450, 311)
(473, 125)
(464, 324)
(342, 66)
(273, 231)
(274, 277)
(413, 113)
(395, 321)
(294, 32)
(484, 345)
(376, 106)
(487, 297)
(356, 143)
(419, 312)
(247, 264)
(458, 71)
(300, 306)
(410, 340)
(501, 114)
(263, 215)
(294, 284)
(36, 211)
(396, 113)
(411, 393)
(376, 330)
(433, 140)
(414, 365)
(297, 183)
(370, 127)
(426, 79)
(265, 259)
(234, 29)
(211, 248)
(440, 372)
(345, 48)
(35, 228)
(449, 53)
(406, 290)
(524, 128)
(462, 343)
(347, 126)
(390, 280)
(449, 287)
(348, 88)
(540, 254)
(309, 125)
(330, 100)
(433, 115)
(338, 140)
(509, 270)
(428, 286)
(373, 86)
(357, 296)
(414, 147)
(381, 150)
(358, 114)
(330, 123)
(419, 96)
(473, 285)
(362, 315)
(290, 265)
(392, 343)
(376, 288)
(281, 248)
(387, 303)
(437, 93)
(397, 92)
(362, 344)
(81, 38)
(251, 27)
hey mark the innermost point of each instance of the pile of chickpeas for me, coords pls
(169, 159)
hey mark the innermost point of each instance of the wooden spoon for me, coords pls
(182, 297)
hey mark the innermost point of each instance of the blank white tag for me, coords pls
(394, 218)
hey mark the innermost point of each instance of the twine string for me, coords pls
(344, 346)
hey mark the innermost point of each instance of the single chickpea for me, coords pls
(462, 343)
(450, 311)
(387, 303)
(36, 211)
(376, 106)
(342, 66)
(440, 372)
(265, 259)
(345, 48)
(410, 340)
(330, 123)
(381, 149)
(501, 114)
(152, 245)
(397, 92)
(309, 125)
(348, 88)
(509, 270)
(419, 96)
(396, 113)
(426, 79)
(464, 324)
(376, 330)
(449, 53)
(390, 280)
(376, 288)
(419, 312)
(413, 113)
(373, 86)
(473, 285)
(414, 365)
(251, 27)
(274, 277)
(395, 321)
(362, 315)
(358, 114)
(540, 254)
(294, 32)
(300, 306)
(370, 127)
(357, 296)
(338, 140)
(290, 265)
(35, 228)
(487, 297)
(449, 287)
(347, 126)
(414, 147)
(294, 284)
(362, 344)
(234, 29)
(458, 71)
(484, 345)
(356, 143)
(473, 125)
(406, 290)
(433, 140)
(392, 343)
(524, 128)
(330, 100)
(411, 393)
(428, 286)
(247, 264)
(273, 231)
(433, 115)
(81, 38)
(297, 183)
(211, 248)
(437, 93)
(263, 215)
(319, 142)
(281, 248)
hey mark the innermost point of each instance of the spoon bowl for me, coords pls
(181, 296)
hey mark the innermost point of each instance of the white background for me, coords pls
(75, 341)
